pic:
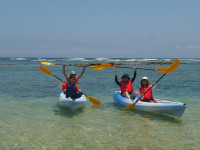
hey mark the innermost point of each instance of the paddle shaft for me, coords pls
(136, 68)
(70, 65)
(151, 87)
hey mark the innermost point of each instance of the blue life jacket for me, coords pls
(71, 89)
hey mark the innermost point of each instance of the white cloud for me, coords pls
(193, 46)
(178, 46)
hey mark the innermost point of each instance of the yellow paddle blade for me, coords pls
(164, 70)
(106, 65)
(173, 66)
(47, 63)
(45, 70)
(93, 100)
(96, 67)
(131, 106)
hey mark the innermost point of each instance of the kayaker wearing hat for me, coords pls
(145, 85)
(73, 74)
(126, 85)
(71, 89)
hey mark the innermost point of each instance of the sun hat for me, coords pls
(73, 72)
(125, 75)
(144, 78)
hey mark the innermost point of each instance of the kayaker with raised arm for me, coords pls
(73, 73)
(71, 89)
(126, 85)
(145, 85)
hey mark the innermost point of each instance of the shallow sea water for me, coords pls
(32, 119)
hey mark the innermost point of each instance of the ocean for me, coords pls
(32, 119)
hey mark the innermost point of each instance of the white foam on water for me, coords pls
(20, 58)
(77, 59)
(190, 60)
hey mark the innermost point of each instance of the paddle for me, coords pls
(48, 72)
(48, 63)
(171, 68)
(107, 65)
(95, 67)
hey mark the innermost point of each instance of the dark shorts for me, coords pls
(74, 96)
(147, 100)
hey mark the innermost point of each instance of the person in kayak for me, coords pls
(71, 89)
(126, 85)
(73, 73)
(145, 85)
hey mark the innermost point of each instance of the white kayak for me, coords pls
(168, 107)
(73, 104)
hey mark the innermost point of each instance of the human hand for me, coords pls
(115, 73)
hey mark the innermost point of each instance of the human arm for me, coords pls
(77, 89)
(139, 93)
(64, 87)
(66, 76)
(134, 76)
(84, 66)
(116, 80)
(154, 85)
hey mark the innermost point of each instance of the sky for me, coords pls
(100, 28)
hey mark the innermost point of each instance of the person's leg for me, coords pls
(74, 96)
(156, 101)
(126, 94)
(68, 95)
(135, 93)
(79, 94)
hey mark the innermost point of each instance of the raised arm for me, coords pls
(84, 66)
(134, 76)
(116, 80)
(66, 76)
(154, 85)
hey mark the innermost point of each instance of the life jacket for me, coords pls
(147, 95)
(126, 86)
(76, 79)
(70, 88)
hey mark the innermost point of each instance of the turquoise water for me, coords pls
(32, 119)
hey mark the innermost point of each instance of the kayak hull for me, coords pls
(73, 104)
(168, 107)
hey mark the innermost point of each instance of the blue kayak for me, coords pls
(168, 107)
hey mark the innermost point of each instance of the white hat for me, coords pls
(144, 78)
(73, 72)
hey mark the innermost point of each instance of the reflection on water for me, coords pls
(93, 107)
(67, 112)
